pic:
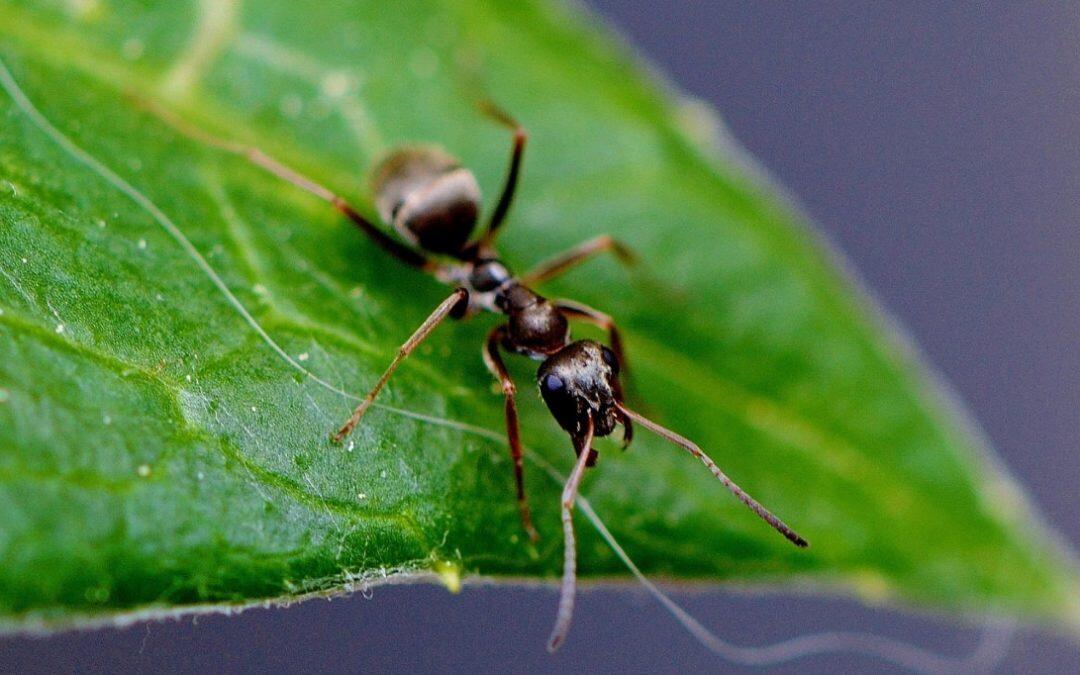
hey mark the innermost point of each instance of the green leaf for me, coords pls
(157, 450)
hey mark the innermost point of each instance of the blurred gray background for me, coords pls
(939, 146)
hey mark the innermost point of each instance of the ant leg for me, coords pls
(507, 196)
(553, 267)
(404, 253)
(454, 304)
(569, 579)
(495, 364)
(577, 310)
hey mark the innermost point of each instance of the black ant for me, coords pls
(434, 203)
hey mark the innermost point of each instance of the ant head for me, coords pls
(428, 197)
(580, 383)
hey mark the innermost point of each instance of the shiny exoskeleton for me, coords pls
(433, 203)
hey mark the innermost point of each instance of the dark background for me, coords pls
(937, 145)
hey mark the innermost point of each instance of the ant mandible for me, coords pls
(434, 203)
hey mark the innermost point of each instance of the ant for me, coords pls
(433, 203)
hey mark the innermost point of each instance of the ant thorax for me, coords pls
(487, 281)
(536, 327)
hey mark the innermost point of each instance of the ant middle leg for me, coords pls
(403, 253)
(455, 304)
(553, 267)
(502, 207)
(495, 364)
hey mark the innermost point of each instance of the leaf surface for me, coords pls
(180, 331)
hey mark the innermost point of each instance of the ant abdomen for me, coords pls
(429, 198)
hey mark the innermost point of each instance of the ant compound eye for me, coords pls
(553, 383)
(609, 358)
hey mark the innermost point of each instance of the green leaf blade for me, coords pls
(159, 451)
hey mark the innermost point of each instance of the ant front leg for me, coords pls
(507, 196)
(453, 305)
(495, 364)
(403, 253)
(549, 269)
(568, 588)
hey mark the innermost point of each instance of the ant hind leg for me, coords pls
(502, 207)
(568, 589)
(403, 253)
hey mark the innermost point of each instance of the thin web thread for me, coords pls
(987, 655)
(157, 214)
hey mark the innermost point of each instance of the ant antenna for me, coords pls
(694, 450)
(569, 579)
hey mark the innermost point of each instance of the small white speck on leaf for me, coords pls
(59, 328)
(335, 84)
(302, 357)
(101, 223)
(24, 260)
(259, 288)
(159, 297)
(106, 420)
(188, 378)
(382, 474)
(254, 409)
(361, 496)
(200, 475)
(143, 470)
(85, 10)
(142, 244)
(350, 446)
